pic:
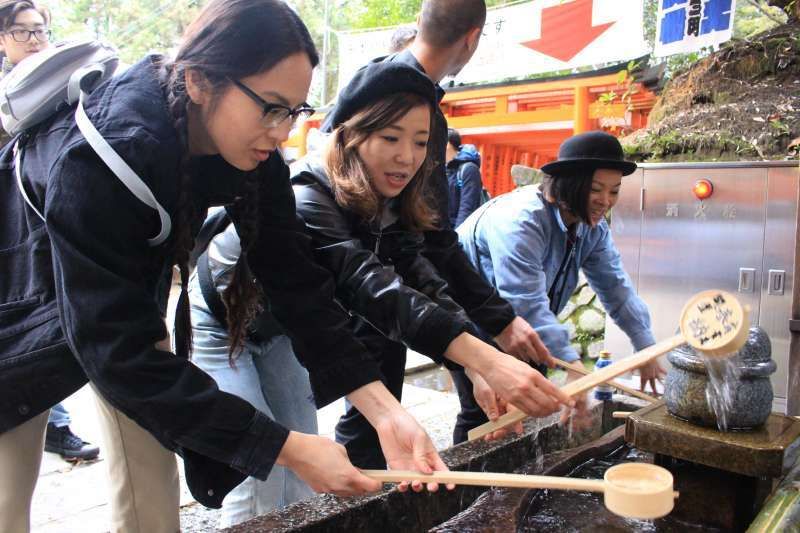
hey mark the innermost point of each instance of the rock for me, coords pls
(573, 331)
(594, 348)
(585, 296)
(591, 321)
(567, 311)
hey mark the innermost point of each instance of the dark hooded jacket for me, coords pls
(380, 273)
(83, 296)
(464, 182)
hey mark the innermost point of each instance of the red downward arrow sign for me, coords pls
(566, 30)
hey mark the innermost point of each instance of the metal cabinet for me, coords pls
(742, 239)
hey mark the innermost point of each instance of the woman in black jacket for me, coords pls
(83, 294)
(366, 210)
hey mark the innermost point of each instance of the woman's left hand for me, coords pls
(650, 373)
(406, 446)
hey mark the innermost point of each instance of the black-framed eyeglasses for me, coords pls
(272, 115)
(23, 36)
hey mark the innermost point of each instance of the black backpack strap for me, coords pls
(209, 291)
(212, 226)
(264, 326)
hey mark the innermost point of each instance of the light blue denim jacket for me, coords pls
(518, 242)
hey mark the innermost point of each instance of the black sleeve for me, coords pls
(480, 300)
(370, 289)
(112, 321)
(300, 293)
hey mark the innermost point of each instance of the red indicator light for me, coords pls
(703, 189)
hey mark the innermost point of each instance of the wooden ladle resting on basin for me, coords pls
(632, 490)
(712, 322)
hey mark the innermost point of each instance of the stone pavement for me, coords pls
(74, 499)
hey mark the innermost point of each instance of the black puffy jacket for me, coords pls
(380, 273)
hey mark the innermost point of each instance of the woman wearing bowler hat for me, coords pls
(531, 244)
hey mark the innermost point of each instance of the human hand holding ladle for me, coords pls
(713, 322)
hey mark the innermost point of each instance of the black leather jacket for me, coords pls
(380, 273)
(83, 296)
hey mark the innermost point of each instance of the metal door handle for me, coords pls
(777, 279)
(747, 279)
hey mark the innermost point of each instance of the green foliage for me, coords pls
(137, 27)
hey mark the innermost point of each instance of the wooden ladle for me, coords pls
(632, 490)
(712, 322)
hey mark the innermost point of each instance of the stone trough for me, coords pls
(390, 510)
(712, 499)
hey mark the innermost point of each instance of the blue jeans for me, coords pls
(59, 416)
(268, 376)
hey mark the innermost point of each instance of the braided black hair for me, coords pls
(229, 40)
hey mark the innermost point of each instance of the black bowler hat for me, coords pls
(586, 152)
(376, 81)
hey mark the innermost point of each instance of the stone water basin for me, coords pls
(711, 499)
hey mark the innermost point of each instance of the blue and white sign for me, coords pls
(689, 25)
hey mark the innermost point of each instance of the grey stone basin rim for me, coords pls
(748, 369)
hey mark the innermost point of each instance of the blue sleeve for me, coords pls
(470, 192)
(516, 251)
(606, 275)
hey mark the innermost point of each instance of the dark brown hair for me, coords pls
(443, 22)
(9, 12)
(571, 192)
(229, 40)
(351, 182)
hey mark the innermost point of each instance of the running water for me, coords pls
(723, 379)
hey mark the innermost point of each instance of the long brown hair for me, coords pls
(229, 40)
(351, 182)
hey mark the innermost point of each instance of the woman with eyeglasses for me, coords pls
(256, 363)
(83, 295)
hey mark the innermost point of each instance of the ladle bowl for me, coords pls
(639, 490)
(632, 490)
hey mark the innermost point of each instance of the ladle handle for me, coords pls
(587, 382)
(489, 479)
(616, 384)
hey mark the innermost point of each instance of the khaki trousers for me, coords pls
(20, 458)
(143, 475)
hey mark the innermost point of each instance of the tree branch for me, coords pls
(756, 4)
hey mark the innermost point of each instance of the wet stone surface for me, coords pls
(767, 451)
(708, 498)
(391, 511)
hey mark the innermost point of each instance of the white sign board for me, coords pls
(689, 25)
(527, 38)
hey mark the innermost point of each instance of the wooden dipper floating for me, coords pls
(632, 490)
(712, 322)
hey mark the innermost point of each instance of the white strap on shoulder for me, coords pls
(125, 173)
(18, 172)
